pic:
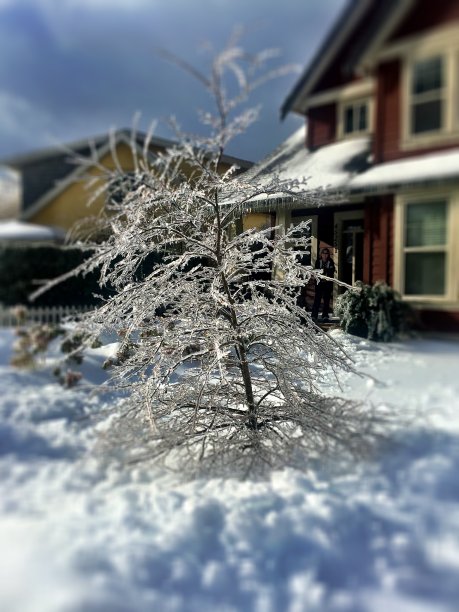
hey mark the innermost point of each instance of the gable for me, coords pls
(426, 15)
(40, 172)
(70, 204)
(363, 24)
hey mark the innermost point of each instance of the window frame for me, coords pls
(450, 248)
(449, 94)
(354, 102)
(436, 95)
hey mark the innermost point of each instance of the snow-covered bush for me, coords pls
(223, 368)
(376, 312)
(31, 342)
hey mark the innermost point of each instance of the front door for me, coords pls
(349, 238)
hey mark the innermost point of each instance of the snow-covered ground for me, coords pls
(78, 534)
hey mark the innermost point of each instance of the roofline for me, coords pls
(42, 154)
(243, 163)
(383, 20)
(18, 161)
(121, 136)
(397, 12)
(337, 35)
(62, 184)
(344, 195)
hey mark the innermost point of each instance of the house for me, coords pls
(381, 150)
(45, 194)
(51, 187)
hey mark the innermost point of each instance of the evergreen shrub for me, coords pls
(376, 312)
(24, 267)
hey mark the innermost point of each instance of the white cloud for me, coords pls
(20, 120)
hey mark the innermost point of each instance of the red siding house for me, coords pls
(381, 150)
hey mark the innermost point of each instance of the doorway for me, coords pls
(349, 232)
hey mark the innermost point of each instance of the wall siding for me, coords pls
(71, 205)
(388, 110)
(321, 126)
(379, 240)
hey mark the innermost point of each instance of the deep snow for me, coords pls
(79, 534)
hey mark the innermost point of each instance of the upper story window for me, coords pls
(354, 117)
(430, 88)
(428, 95)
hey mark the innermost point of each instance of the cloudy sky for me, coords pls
(71, 69)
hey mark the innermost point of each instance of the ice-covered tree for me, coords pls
(222, 367)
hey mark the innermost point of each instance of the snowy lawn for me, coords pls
(81, 535)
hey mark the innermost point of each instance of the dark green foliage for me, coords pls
(374, 311)
(23, 267)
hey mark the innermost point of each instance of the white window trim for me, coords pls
(422, 48)
(362, 88)
(451, 295)
(341, 134)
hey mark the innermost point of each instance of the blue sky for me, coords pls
(71, 69)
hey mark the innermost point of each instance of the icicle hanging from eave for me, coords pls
(304, 200)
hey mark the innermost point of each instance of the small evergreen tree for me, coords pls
(223, 368)
(376, 312)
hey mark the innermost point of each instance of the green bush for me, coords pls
(374, 311)
(23, 267)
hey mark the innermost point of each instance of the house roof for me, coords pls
(326, 170)
(379, 19)
(423, 170)
(46, 172)
(42, 170)
(343, 170)
(18, 231)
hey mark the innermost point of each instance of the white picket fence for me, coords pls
(44, 314)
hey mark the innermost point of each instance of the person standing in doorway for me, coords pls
(324, 288)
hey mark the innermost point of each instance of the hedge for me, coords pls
(22, 267)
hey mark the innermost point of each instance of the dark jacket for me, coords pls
(329, 269)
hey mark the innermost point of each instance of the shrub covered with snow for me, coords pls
(376, 312)
(32, 341)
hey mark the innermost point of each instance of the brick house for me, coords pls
(381, 148)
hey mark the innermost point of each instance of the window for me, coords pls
(428, 94)
(425, 248)
(355, 117)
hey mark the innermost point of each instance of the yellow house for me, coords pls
(54, 189)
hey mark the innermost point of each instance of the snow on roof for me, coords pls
(421, 169)
(329, 168)
(344, 168)
(20, 231)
